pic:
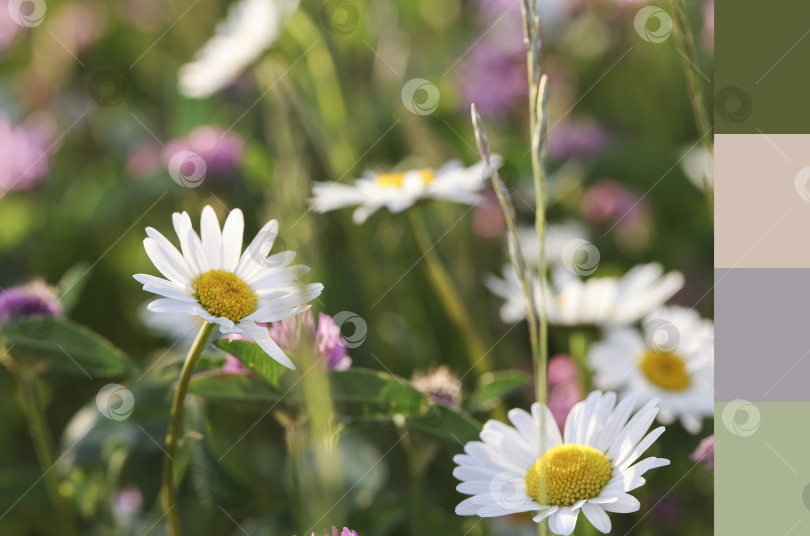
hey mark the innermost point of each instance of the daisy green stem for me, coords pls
(477, 352)
(168, 492)
(43, 445)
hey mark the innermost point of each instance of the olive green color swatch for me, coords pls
(762, 50)
(762, 471)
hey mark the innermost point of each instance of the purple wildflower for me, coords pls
(577, 138)
(220, 149)
(34, 298)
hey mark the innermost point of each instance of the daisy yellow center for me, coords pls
(395, 180)
(667, 371)
(224, 294)
(568, 473)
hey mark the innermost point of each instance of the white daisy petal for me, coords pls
(232, 239)
(564, 521)
(261, 337)
(211, 237)
(597, 516)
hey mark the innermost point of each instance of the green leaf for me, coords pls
(71, 284)
(368, 395)
(63, 345)
(218, 385)
(253, 357)
(493, 386)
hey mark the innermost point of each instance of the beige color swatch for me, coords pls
(762, 201)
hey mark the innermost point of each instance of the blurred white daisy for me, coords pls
(399, 191)
(529, 467)
(558, 236)
(214, 280)
(672, 359)
(249, 29)
(600, 301)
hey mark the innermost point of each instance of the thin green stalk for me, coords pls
(43, 446)
(416, 478)
(477, 351)
(578, 350)
(168, 491)
(686, 42)
(294, 462)
(538, 112)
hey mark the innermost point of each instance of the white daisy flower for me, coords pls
(249, 29)
(672, 360)
(558, 236)
(399, 191)
(601, 301)
(211, 280)
(529, 467)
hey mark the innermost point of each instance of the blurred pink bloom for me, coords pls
(564, 387)
(705, 452)
(8, 28)
(127, 503)
(494, 79)
(143, 161)
(608, 202)
(221, 150)
(326, 336)
(233, 366)
(487, 220)
(335, 532)
(78, 25)
(577, 138)
(23, 153)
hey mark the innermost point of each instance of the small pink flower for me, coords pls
(705, 452)
(220, 149)
(326, 336)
